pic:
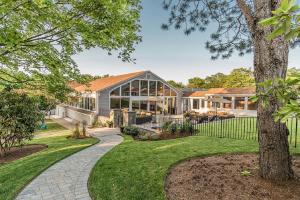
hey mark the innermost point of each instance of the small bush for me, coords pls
(109, 123)
(129, 130)
(76, 132)
(122, 129)
(165, 126)
(187, 127)
(172, 128)
(95, 123)
(84, 124)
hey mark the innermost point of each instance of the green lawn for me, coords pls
(242, 128)
(15, 175)
(51, 127)
(136, 170)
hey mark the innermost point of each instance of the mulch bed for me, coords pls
(220, 177)
(21, 151)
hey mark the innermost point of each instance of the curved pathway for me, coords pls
(68, 178)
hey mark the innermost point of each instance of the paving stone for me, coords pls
(67, 179)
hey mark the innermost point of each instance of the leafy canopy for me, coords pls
(39, 37)
(239, 77)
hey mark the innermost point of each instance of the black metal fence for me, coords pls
(237, 128)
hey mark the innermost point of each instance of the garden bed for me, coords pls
(227, 177)
(21, 151)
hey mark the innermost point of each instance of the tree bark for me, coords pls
(270, 62)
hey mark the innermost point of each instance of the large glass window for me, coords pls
(240, 103)
(167, 91)
(173, 93)
(153, 106)
(216, 104)
(144, 106)
(135, 105)
(144, 88)
(125, 89)
(152, 88)
(159, 107)
(202, 103)
(125, 103)
(252, 105)
(115, 103)
(115, 92)
(195, 103)
(227, 105)
(135, 88)
(160, 88)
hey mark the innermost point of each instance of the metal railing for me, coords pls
(236, 128)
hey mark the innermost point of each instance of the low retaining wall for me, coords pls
(65, 111)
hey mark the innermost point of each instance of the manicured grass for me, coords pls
(51, 127)
(15, 175)
(136, 170)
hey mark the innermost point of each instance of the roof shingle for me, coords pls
(103, 83)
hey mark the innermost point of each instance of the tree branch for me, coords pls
(247, 13)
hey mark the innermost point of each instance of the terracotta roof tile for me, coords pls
(103, 83)
(242, 90)
(194, 94)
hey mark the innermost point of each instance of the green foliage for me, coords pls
(109, 123)
(245, 173)
(239, 77)
(172, 128)
(129, 130)
(196, 82)
(287, 92)
(76, 132)
(286, 20)
(19, 116)
(165, 126)
(187, 127)
(178, 85)
(38, 38)
(232, 32)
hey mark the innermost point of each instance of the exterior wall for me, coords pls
(103, 103)
(103, 97)
(65, 111)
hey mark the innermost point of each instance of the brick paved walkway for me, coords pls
(68, 178)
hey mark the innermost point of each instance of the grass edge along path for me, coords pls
(137, 170)
(16, 175)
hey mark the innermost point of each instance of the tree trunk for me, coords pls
(270, 62)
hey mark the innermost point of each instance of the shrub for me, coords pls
(187, 127)
(109, 123)
(96, 123)
(19, 116)
(122, 129)
(76, 132)
(84, 123)
(172, 128)
(129, 130)
(165, 126)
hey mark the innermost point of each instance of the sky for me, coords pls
(170, 54)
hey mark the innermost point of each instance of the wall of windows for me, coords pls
(87, 103)
(120, 97)
(240, 103)
(195, 103)
(143, 88)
